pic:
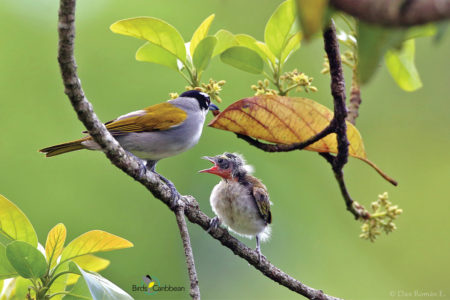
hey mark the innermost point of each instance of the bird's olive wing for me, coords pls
(157, 117)
(262, 201)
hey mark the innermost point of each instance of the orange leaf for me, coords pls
(288, 120)
(55, 243)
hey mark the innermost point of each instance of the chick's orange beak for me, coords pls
(214, 169)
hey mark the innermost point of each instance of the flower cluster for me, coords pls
(382, 218)
(298, 80)
(262, 88)
(212, 88)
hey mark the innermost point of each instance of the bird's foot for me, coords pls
(175, 196)
(260, 255)
(214, 223)
(143, 165)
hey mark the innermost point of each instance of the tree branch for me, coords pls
(132, 166)
(337, 125)
(395, 12)
(179, 213)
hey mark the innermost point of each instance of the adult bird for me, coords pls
(153, 133)
(240, 200)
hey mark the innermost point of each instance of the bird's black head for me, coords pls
(203, 98)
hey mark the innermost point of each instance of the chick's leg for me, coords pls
(258, 248)
(214, 223)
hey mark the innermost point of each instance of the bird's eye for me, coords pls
(223, 163)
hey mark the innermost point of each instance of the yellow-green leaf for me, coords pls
(60, 283)
(55, 243)
(311, 14)
(292, 45)
(14, 225)
(155, 31)
(88, 262)
(279, 26)
(17, 289)
(244, 59)
(225, 40)
(156, 54)
(200, 33)
(288, 120)
(92, 242)
(401, 66)
(203, 54)
(80, 291)
(250, 42)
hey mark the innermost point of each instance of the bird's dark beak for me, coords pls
(213, 169)
(213, 107)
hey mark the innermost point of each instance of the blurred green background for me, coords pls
(314, 238)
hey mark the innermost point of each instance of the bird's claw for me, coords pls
(142, 168)
(175, 196)
(214, 223)
(260, 255)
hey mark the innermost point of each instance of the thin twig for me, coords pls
(290, 147)
(355, 99)
(395, 12)
(179, 213)
(131, 165)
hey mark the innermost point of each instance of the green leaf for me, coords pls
(94, 241)
(279, 26)
(292, 45)
(6, 270)
(101, 288)
(28, 261)
(155, 31)
(80, 291)
(200, 33)
(203, 53)
(155, 54)
(244, 59)
(311, 14)
(373, 42)
(401, 66)
(225, 40)
(14, 225)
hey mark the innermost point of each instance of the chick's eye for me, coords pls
(220, 160)
(224, 164)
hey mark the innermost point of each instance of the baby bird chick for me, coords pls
(240, 200)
